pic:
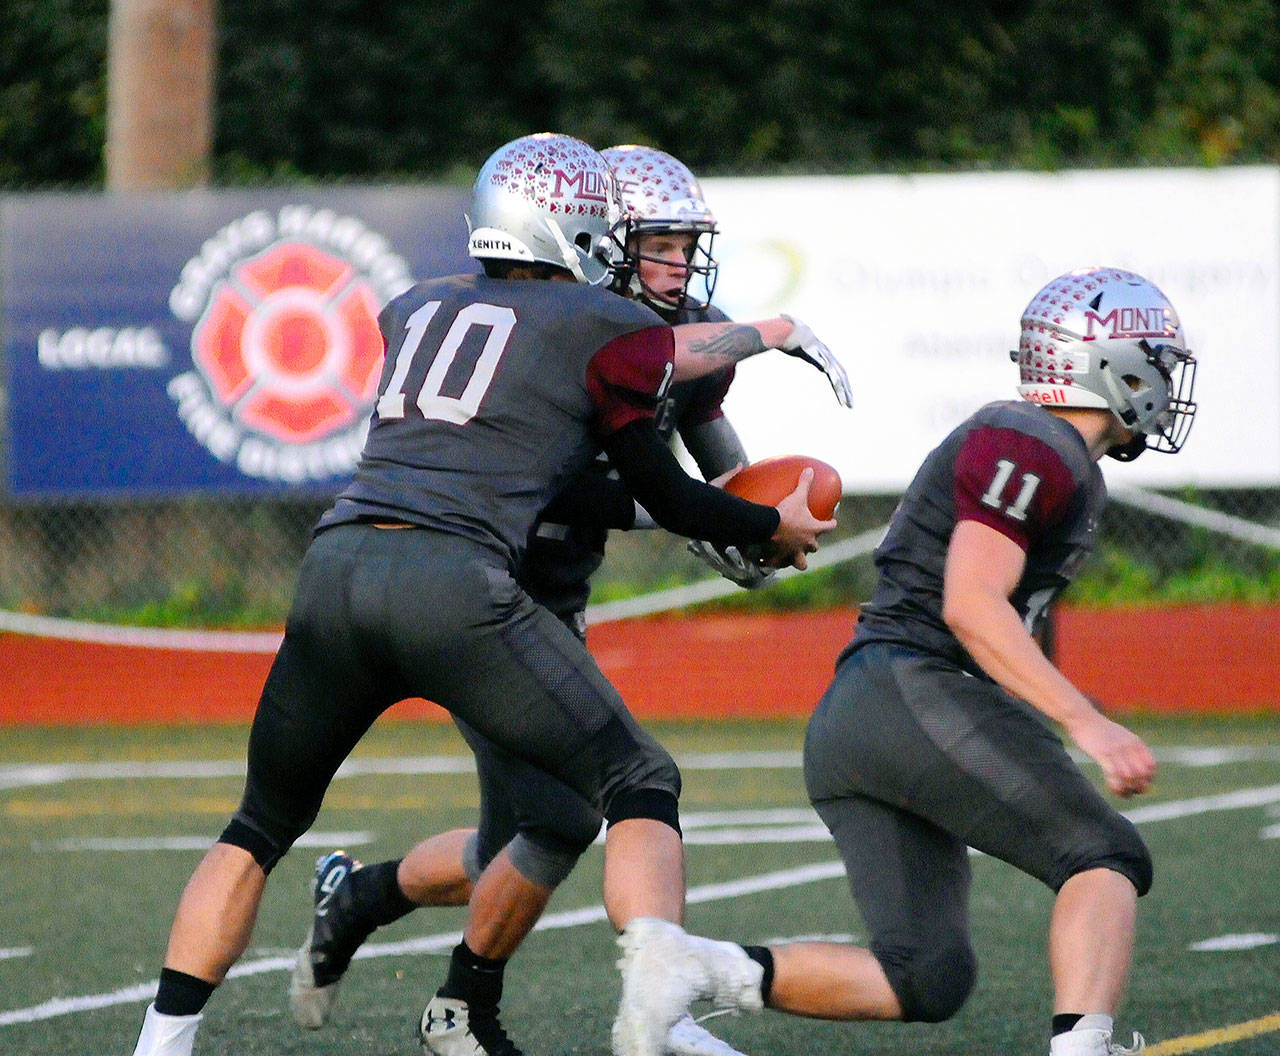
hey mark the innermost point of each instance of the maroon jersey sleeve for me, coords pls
(1012, 482)
(628, 376)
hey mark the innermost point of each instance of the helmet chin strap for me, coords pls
(1120, 397)
(567, 253)
(1130, 449)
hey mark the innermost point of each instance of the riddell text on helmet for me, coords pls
(1054, 395)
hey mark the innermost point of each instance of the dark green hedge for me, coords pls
(363, 90)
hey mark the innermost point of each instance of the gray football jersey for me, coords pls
(1014, 467)
(493, 392)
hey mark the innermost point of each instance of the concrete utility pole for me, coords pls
(160, 84)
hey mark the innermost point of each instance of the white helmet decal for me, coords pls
(1108, 338)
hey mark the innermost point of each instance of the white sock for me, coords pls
(167, 1035)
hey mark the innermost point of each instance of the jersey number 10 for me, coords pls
(430, 400)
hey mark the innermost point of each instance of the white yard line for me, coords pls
(26, 775)
(748, 885)
(191, 843)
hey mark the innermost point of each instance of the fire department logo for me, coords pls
(285, 346)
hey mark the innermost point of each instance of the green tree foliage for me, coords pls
(53, 94)
(348, 89)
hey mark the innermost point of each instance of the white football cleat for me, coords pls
(661, 976)
(734, 977)
(1091, 1036)
(167, 1035)
(690, 1038)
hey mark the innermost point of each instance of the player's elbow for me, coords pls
(961, 612)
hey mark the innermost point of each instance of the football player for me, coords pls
(667, 245)
(495, 390)
(932, 737)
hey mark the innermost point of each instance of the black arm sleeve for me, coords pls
(678, 502)
(592, 500)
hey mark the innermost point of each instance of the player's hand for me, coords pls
(804, 344)
(798, 529)
(732, 564)
(1127, 763)
(720, 481)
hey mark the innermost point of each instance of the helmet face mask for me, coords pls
(1109, 339)
(660, 196)
(547, 198)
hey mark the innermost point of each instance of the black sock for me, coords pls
(1064, 1021)
(763, 956)
(375, 897)
(180, 994)
(474, 979)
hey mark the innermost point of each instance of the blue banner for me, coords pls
(204, 341)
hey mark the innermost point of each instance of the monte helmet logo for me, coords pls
(285, 346)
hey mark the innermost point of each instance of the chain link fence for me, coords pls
(203, 563)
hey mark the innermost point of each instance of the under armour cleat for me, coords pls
(661, 977)
(327, 950)
(451, 1027)
(690, 1038)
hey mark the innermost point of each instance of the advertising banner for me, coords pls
(206, 341)
(917, 283)
(227, 341)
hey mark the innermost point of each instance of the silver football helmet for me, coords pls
(1103, 337)
(548, 198)
(661, 196)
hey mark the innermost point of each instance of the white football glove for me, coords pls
(730, 563)
(804, 344)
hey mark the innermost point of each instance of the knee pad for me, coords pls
(264, 850)
(471, 859)
(657, 804)
(539, 862)
(1124, 853)
(932, 983)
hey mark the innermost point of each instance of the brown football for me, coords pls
(771, 480)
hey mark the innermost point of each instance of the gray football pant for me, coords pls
(383, 615)
(910, 761)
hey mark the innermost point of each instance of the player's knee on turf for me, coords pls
(932, 984)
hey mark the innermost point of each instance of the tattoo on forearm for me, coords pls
(733, 345)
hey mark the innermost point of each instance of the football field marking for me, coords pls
(1208, 1039)
(29, 775)
(191, 843)
(771, 881)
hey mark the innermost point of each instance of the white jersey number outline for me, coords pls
(433, 404)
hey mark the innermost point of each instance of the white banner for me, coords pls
(917, 284)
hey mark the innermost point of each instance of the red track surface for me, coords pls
(1184, 659)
